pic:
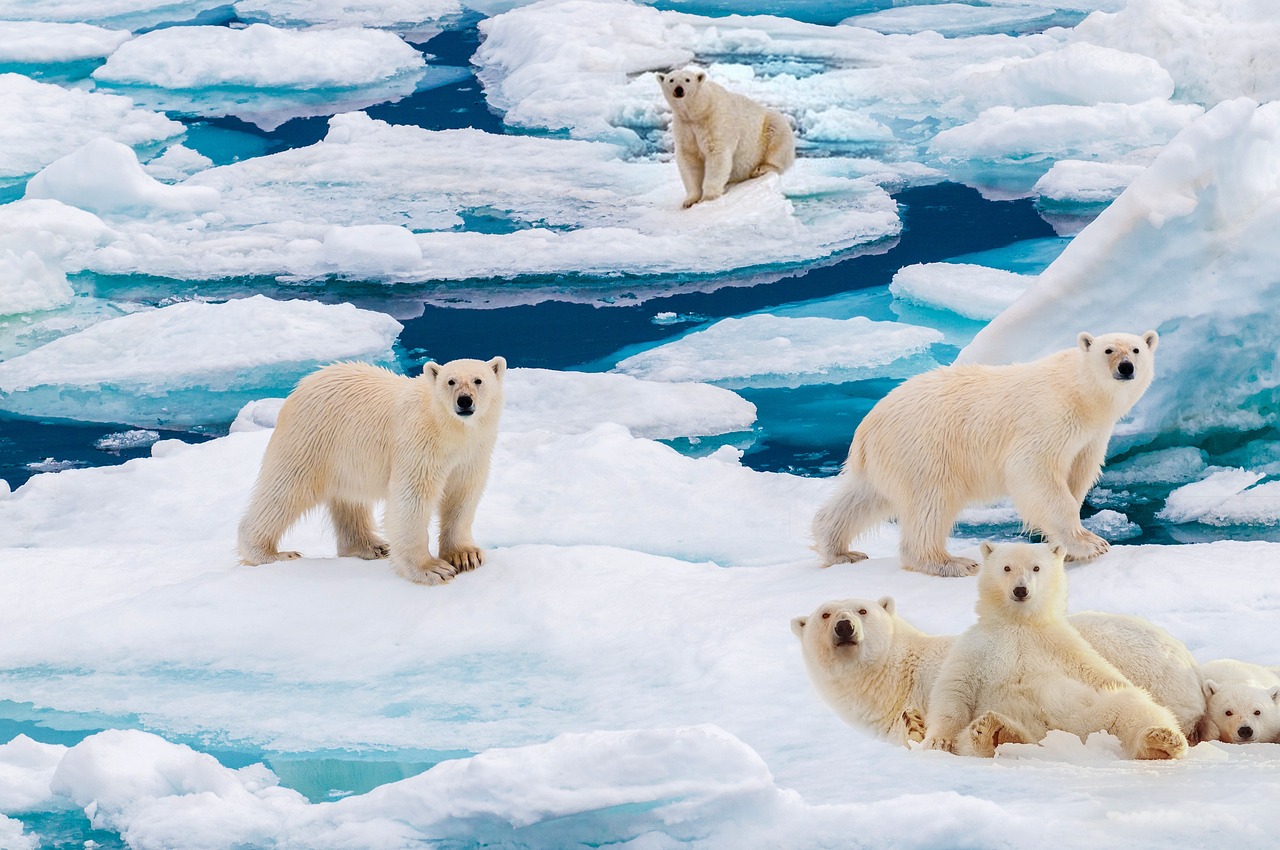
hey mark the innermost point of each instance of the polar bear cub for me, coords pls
(722, 137)
(875, 669)
(1244, 701)
(1036, 432)
(353, 434)
(1022, 670)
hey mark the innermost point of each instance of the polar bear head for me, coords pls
(468, 390)
(846, 633)
(683, 86)
(1122, 363)
(1242, 713)
(1022, 580)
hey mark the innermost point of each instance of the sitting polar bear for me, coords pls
(722, 137)
(353, 434)
(875, 669)
(1022, 670)
(1036, 432)
(1244, 701)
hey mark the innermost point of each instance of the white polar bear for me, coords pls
(1036, 432)
(875, 669)
(1244, 701)
(722, 137)
(353, 434)
(1023, 670)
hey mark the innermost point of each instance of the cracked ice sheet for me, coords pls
(571, 206)
(124, 599)
(542, 70)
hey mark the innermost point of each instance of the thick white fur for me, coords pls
(1022, 670)
(1036, 432)
(881, 680)
(722, 137)
(1244, 701)
(353, 434)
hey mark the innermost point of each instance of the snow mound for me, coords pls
(356, 203)
(975, 292)
(1255, 506)
(191, 363)
(37, 42)
(1192, 501)
(104, 176)
(1186, 249)
(42, 122)
(768, 350)
(36, 238)
(1084, 182)
(259, 56)
(576, 402)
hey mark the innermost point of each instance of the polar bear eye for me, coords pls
(479, 382)
(863, 612)
(452, 382)
(1109, 351)
(1229, 713)
(1257, 712)
(1008, 569)
(826, 615)
(1135, 351)
(1035, 569)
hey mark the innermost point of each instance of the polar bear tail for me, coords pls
(854, 507)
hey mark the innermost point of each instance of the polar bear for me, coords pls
(1022, 670)
(722, 137)
(1244, 701)
(1036, 432)
(353, 434)
(875, 669)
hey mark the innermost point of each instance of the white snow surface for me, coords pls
(572, 206)
(38, 42)
(972, 291)
(259, 56)
(1187, 250)
(1086, 182)
(1194, 500)
(35, 238)
(119, 14)
(134, 369)
(40, 122)
(634, 687)
(767, 350)
(401, 15)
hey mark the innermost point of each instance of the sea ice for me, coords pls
(1258, 505)
(105, 177)
(414, 16)
(118, 14)
(190, 363)
(1085, 182)
(975, 292)
(40, 122)
(764, 350)
(36, 237)
(37, 43)
(1191, 501)
(1187, 249)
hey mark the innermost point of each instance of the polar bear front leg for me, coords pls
(923, 545)
(1044, 500)
(408, 519)
(691, 172)
(458, 512)
(719, 165)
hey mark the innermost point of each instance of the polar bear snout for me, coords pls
(678, 91)
(1124, 370)
(1020, 593)
(1244, 733)
(847, 631)
(464, 405)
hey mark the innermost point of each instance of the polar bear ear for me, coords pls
(1152, 339)
(498, 365)
(797, 625)
(1210, 687)
(1084, 341)
(701, 75)
(432, 369)
(887, 603)
(662, 78)
(1059, 551)
(1275, 694)
(986, 548)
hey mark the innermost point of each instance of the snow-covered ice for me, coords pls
(764, 350)
(105, 177)
(418, 17)
(190, 363)
(972, 291)
(38, 42)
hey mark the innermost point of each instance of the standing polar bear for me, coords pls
(353, 434)
(1023, 670)
(722, 137)
(876, 670)
(1036, 432)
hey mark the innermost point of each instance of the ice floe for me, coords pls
(972, 291)
(764, 350)
(105, 177)
(1186, 249)
(418, 17)
(1191, 501)
(190, 363)
(37, 42)
(35, 239)
(40, 122)
(118, 14)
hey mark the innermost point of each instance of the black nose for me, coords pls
(1125, 368)
(464, 402)
(678, 91)
(844, 628)
(1245, 732)
(1020, 592)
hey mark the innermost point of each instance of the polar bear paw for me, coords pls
(433, 571)
(845, 557)
(1086, 546)
(370, 551)
(1161, 742)
(947, 745)
(954, 566)
(463, 558)
(991, 730)
(913, 725)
